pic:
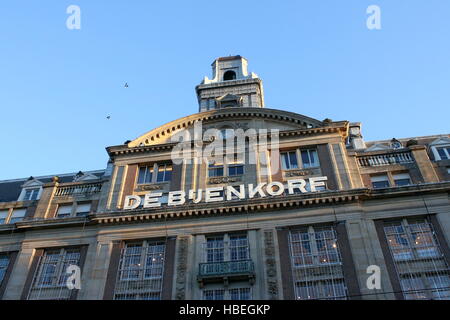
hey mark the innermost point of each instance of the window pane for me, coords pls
(443, 154)
(141, 271)
(4, 261)
(3, 216)
(64, 211)
(51, 275)
(293, 160)
(380, 184)
(164, 173)
(83, 209)
(145, 175)
(17, 215)
(317, 266)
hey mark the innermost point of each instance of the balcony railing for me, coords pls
(385, 159)
(82, 189)
(226, 268)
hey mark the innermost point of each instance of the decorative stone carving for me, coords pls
(180, 291)
(242, 125)
(297, 173)
(271, 267)
(149, 187)
(219, 180)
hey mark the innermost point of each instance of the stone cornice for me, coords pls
(232, 114)
(335, 127)
(232, 207)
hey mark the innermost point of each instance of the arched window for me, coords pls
(229, 75)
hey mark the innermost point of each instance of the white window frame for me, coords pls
(446, 148)
(298, 154)
(38, 289)
(309, 250)
(227, 292)
(412, 242)
(226, 164)
(155, 169)
(24, 191)
(226, 244)
(147, 249)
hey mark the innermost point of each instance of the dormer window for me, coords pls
(31, 190)
(395, 144)
(441, 148)
(229, 75)
(31, 194)
(443, 152)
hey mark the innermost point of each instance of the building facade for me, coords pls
(314, 216)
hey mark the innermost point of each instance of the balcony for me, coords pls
(385, 159)
(226, 270)
(78, 189)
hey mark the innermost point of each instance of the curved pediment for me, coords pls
(243, 118)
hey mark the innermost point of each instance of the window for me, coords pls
(227, 248)
(64, 211)
(420, 265)
(31, 194)
(309, 159)
(240, 294)
(229, 75)
(381, 181)
(83, 209)
(3, 216)
(163, 173)
(215, 294)
(49, 282)
(215, 170)
(289, 160)
(401, 179)
(443, 152)
(145, 175)
(215, 247)
(233, 167)
(317, 265)
(17, 215)
(227, 294)
(141, 271)
(239, 249)
(4, 262)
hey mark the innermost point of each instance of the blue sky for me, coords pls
(316, 58)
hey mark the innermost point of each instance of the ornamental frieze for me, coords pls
(149, 187)
(301, 173)
(223, 180)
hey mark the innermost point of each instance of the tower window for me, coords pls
(229, 75)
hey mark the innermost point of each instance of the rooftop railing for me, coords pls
(82, 189)
(385, 159)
